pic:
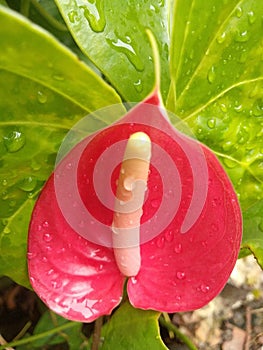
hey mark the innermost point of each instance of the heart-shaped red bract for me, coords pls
(190, 242)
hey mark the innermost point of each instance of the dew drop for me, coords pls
(211, 123)
(160, 242)
(204, 288)
(14, 141)
(180, 275)
(251, 17)
(72, 16)
(129, 50)
(211, 75)
(47, 237)
(6, 230)
(221, 38)
(229, 163)
(41, 97)
(28, 184)
(31, 256)
(55, 284)
(133, 280)
(4, 195)
(257, 108)
(242, 36)
(178, 248)
(4, 182)
(138, 85)
(50, 272)
(45, 224)
(169, 236)
(94, 13)
(239, 11)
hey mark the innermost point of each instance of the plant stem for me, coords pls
(96, 334)
(182, 337)
(24, 7)
(38, 336)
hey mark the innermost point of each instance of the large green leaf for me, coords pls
(217, 73)
(45, 90)
(112, 34)
(217, 88)
(132, 328)
(253, 231)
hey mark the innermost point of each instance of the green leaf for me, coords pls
(132, 328)
(217, 84)
(112, 34)
(48, 321)
(253, 231)
(46, 90)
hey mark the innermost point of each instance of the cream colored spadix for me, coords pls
(130, 195)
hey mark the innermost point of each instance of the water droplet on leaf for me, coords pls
(138, 85)
(211, 75)
(129, 50)
(242, 36)
(251, 17)
(28, 184)
(42, 98)
(211, 123)
(94, 13)
(239, 11)
(14, 141)
(72, 15)
(221, 38)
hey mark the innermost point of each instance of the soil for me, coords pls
(232, 321)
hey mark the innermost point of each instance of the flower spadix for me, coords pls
(132, 184)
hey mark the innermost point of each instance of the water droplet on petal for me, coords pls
(47, 237)
(45, 224)
(14, 141)
(204, 288)
(178, 248)
(180, 275)
(31, 255)
(160, 242)
(169, 236)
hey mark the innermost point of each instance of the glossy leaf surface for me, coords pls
(217, 87)
(132, 329)
(45, 90)
(113, 35)
(191, 257)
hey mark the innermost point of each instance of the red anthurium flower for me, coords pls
(177, 246)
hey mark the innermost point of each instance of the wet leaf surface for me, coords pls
(113, 36)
